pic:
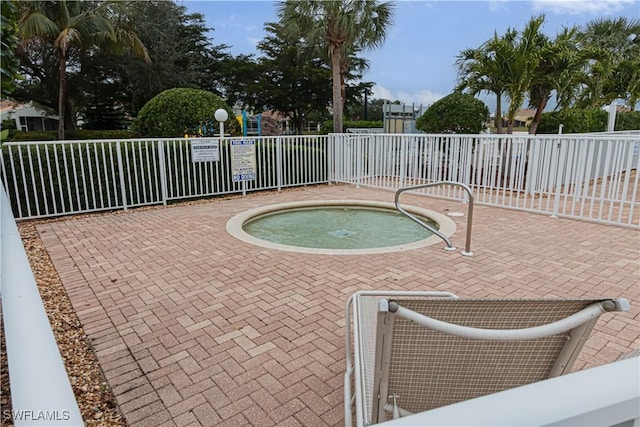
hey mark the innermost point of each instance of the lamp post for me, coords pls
(221, 116)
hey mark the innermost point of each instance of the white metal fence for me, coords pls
(590, 177)
(58, 178)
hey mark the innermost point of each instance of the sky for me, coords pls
(416, 63)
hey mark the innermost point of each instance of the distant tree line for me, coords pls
(101, 62)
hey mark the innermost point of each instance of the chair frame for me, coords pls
(578, 324)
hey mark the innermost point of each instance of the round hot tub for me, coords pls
(338, 227)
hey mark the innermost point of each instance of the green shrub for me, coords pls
(573, 121)
(628, 120)
(327, 126)
(36, 135)
(176, 112)
(455, 113)
(8, 124)
(76, 134)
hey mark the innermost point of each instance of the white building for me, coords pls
(27, 117)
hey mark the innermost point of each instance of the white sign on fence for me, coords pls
(205, 151)
(243, 160)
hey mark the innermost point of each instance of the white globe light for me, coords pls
(221, 115)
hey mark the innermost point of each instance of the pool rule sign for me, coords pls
(243, 160)
(205, 151)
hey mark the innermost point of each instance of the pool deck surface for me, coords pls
(194, 327)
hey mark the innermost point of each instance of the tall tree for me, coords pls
(616, 71)
(182, 54)
(238, 80)
(339, 26)
(484, 69)
(522, 53)
(9, 41)
(559, 68)
(66, 26)
(291, 83)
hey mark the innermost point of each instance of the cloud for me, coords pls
(423, 97)
(497, 5)
(577, 7)
(380, 92)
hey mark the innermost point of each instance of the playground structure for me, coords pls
(263, 124)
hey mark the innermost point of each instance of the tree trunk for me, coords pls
(499, 113)
(297, 122)
(62, 94)
(536, 118)
(337, 98)
(69, 115)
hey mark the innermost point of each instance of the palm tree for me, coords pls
(340, 27)
(70, 26)
(522, 54)
(483, 70)
(350, 63)
(616, 72)
(559, 68)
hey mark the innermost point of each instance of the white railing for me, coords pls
(590, 177)
(41, 394)
(46, 179)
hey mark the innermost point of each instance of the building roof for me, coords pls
(9, 105)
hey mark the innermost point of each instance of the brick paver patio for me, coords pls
(194, 327)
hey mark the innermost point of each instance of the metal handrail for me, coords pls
(449, 247)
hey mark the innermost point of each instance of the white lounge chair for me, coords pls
(416, 351)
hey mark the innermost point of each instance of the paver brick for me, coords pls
(149, 415)
(206, 415)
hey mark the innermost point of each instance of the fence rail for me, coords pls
(590, 177)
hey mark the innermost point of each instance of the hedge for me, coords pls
(75, 134)
(586, 121)
(327, 126)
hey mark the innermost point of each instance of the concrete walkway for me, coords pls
(194, 327)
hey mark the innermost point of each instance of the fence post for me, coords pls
(331, 171)
(123, 190)
(562, 158)
(359, 160)
(403, 161)
(279, 163)
(532, 153)
(163, 173)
